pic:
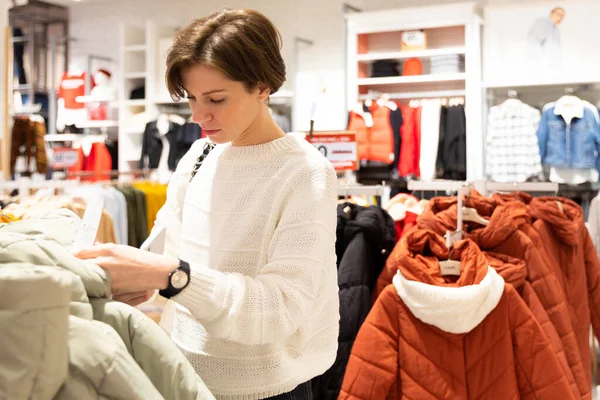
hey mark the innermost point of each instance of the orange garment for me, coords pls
(574, 257)
(358, 125)
(382, 135)
(504, 354)
(510, 232)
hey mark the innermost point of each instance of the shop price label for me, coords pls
(338, 147)
(64, 157)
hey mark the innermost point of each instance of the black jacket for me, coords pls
(152, 145)
(365, 238)
(451, 160)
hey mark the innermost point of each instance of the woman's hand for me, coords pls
(135, 299)
(131, 270)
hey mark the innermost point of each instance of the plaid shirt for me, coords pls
(513, 154)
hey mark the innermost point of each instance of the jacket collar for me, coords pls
(452, 305)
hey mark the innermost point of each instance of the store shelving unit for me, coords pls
(140, 58)
(453, 29)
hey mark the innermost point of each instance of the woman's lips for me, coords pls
(210, 131)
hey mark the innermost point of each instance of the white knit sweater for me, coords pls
(257, 225)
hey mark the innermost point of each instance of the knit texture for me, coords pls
(261, 313)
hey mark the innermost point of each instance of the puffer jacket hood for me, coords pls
(128, 333)
(365, 238)
(566, 222)
(506, 198)
(374, 222)
(415, 358)
(454, 306)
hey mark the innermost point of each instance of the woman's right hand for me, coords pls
(134, 299)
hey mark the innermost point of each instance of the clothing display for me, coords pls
(412, 66)
(70, 111)
(98, 347)
(377, 128)
(475, 322)
(365, 238)
(408, 164)
(448, 64)
(569, 140)
(512, 151)
(383, 68)
(93, 158)
(451, 160)
(510, 232)
(27, 151)
(430, 136)
(240, 315)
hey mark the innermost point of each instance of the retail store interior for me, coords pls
(465, 139)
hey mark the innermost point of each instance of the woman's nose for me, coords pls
(200, 117)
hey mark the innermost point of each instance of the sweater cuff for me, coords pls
(200, 296)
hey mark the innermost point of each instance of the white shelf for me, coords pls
(400, 55)
(98, 124)
(420, 95)
(136, 48)
(135, 75)
(393, 80)
(135, 103)
(63, 137)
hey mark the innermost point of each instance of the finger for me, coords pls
(125, 297)
(138, 300)
(102, 250)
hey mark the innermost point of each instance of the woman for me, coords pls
(252, 224)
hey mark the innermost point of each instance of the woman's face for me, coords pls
(225, 109)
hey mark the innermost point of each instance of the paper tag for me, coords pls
(90, 224)
(156, 241)
(450, 267)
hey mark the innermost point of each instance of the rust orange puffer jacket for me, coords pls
(574, 257)
(510, 232)
(435, 337)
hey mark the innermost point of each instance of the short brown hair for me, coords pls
(242, 43)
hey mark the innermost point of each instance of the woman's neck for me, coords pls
(262, 130)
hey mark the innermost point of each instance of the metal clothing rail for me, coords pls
(361, 190)
(483, 186)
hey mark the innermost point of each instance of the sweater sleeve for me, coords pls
(372, 374)
(539, 374)
(300, 269)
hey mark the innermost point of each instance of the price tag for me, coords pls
(90, 224)
(338, 147)
(64, 157)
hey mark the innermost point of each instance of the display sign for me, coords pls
(64, 157)
(339, 147)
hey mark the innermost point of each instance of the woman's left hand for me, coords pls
(131, 270)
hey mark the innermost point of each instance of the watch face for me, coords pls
(179, 279)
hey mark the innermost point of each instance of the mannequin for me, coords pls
(102, 93)
(69, 111)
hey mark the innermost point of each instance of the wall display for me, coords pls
(542, 43)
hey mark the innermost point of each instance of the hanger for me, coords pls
(449, 266)
(470, 214)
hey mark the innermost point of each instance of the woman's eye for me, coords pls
(191, 98)
(214, 101)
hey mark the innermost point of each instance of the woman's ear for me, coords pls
(264, 91)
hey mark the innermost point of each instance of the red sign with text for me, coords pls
(339, 147)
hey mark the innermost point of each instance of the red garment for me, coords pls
(409, 150)
(70, 87)
(97, 161)
(357, 124)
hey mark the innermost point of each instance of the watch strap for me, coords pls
(171, 291)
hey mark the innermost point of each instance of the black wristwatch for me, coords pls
(178, 280)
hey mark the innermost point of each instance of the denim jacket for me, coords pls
(573, 145)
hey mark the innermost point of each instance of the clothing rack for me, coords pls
(417, 95)
(361, 190)
(483, 186)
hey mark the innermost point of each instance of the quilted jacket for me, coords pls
(573, 255)
(510, 232)
(445, 337)
(365, 238)
(97, 321)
